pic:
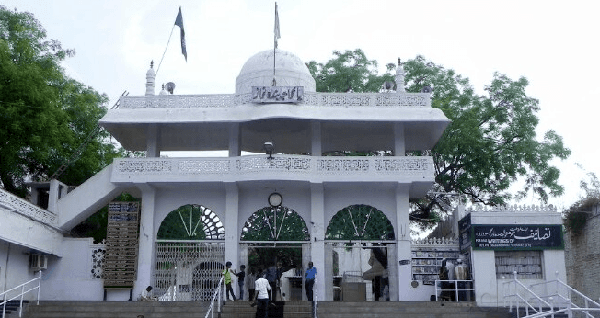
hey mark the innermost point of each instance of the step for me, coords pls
(117, 309)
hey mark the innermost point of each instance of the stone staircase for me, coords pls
(408, 309)
(242, 309)
(291, 309)
(117, 309)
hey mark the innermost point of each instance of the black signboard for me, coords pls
(516, 237)
(464, 233)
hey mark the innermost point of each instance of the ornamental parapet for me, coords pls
(282, 167)
(513, 208)
(309, 99)
(23, 207)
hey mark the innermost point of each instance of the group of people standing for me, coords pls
(263, 289)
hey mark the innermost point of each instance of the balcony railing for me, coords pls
(285, 167)
(310, 99)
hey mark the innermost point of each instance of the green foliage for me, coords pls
(359, 222)
(95, 226)
(490, 143)
(45, 115)
(577, 215)
(349, 71)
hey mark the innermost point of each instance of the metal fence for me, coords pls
(188, 270)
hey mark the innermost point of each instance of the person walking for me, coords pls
(261, 297)
(227, 281)
(309, 280)
(251, 283)
(241, 277)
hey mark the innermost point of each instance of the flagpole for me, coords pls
(274, 44)
(163, 56)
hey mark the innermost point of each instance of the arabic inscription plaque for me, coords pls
(517, 237)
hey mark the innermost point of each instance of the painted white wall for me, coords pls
(24, 231)
(70, 277)
(14, 267)
(488, 289)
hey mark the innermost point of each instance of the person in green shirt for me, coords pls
(227, 280)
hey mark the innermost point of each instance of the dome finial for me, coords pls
(150, 79)
(400, 78)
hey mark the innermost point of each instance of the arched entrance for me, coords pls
(277, 235)
(190, 254)
(360, 242)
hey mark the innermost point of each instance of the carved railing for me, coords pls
(26, 208)
(513, 208)
(436, 241)
(232, 167)
(310, 99)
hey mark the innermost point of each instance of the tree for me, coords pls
(490, 143)
(46, 116)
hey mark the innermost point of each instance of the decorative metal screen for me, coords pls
(188, 270)
(275, 224)
(360, 222)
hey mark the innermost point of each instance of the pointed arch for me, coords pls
(275, 224)
(191, 222)
(360, 222)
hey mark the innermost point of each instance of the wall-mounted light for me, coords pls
(269, 148)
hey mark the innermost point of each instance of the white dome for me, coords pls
(289, 71)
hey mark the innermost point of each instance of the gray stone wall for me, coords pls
(582, 257)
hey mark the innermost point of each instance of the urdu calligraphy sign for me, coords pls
(277, 94)
(517, 237)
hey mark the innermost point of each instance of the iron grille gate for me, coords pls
(188, 270)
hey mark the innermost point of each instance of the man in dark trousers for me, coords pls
(309, 280)
(261, 297)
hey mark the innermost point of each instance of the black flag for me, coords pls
(179, 23)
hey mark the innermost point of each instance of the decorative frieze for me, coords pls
(513, 208)
(26, 208)
(127, 169)
(406, 164)
(343, 165)
(203, 166)
(279, 163)
(308, 99)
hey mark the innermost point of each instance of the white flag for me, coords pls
(276, 30)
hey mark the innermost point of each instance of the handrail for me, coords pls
(589, 304)
(455, 289)
(216, 297)
(23, 292)
(520, 298)
(315, 301)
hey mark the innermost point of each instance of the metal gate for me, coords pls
(188, 270)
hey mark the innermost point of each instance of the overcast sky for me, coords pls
(554, 44)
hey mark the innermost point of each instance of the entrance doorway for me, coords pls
(282, 261)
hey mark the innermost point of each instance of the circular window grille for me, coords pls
(360, 222)
(191, 222)
(275, 224)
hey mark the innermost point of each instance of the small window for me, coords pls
(527, 264)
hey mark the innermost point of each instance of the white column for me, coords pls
(399, 140)
(147, 237)
(152, 143)
(403, 236)
(317, 237)
(230, 223)
(235, 140)
(315, 135)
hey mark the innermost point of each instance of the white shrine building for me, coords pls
(291, 178)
